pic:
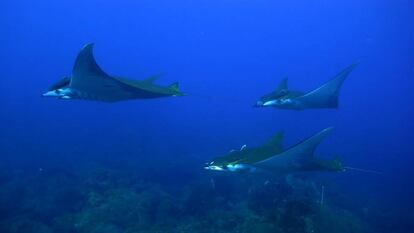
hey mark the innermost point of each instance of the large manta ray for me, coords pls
(271, 157)
(88, 81)
(325, 96)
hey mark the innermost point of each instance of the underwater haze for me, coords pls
(137, 166)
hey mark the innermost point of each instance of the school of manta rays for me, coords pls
(89, 82)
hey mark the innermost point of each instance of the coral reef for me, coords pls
(110, 200)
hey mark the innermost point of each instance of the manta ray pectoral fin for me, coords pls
(152, 78)
(65, 81)
(272, 97)
(326, 96)
(283, 86)
(275, 144)
(88, 76)
(276, 140)
(85, 64)
(298, 155)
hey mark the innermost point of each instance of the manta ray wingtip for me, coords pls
(88, 46)
(350, 68)
(327, 130)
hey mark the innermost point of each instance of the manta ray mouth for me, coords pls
(270, 102)
(214, 168)
(231, 168)
(59, 93)
(257, 105)
(50, 94)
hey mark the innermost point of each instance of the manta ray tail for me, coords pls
(362, 170)
(174, 86)
(326, 96)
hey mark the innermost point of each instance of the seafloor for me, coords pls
(108, 198)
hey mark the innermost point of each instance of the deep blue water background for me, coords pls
(225, 54)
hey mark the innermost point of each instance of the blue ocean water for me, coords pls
(84, 166)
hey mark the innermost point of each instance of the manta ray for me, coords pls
(325, 96)
(89, 82)
(271, 157)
